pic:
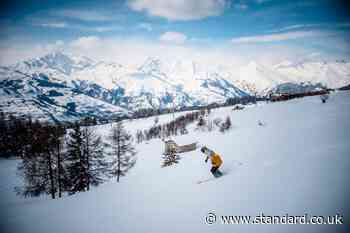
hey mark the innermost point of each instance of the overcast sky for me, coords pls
(267, 31)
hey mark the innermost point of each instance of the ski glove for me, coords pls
(206, 159)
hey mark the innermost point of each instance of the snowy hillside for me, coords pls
(297, 162)
(48, 98)
(45, 86)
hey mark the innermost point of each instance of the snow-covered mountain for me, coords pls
(62, 86)
(45, 89)
(332, 74)
(307, 75)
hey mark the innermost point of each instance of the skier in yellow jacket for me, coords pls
(216, 161)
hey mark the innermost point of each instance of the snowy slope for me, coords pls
(297, 163)
(47, 98)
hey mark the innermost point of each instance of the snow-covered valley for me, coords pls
(297, 162)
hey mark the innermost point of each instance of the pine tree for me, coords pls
(228, 122)
(93, 153)
(3, 135)
(76, 167)
(58, 143)
(226, 125)
(17, 139)
(49, 157)
(122, 151)
(170, 159)
(201, 121)
(139, 136)
(38, 165)
(183, 129)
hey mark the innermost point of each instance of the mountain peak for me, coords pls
(56, 54)
(151, 65)
(56, 60)
(64, 57)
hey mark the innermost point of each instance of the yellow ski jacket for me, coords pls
(216, 160)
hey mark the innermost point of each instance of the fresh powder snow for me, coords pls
(296, 162)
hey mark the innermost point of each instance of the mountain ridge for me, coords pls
(57, 81)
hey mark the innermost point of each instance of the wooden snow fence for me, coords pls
(172, 147)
